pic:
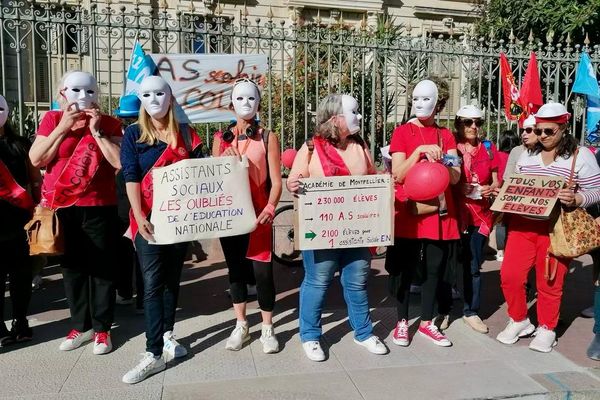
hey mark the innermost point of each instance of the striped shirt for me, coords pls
(586, 175)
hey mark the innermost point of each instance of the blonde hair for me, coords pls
(148, 131)
(60, 98)
(329, 107)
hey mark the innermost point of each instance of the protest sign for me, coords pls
(345, 211)
(534, 196)
(202, 83)
(202, 199)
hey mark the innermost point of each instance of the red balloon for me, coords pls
(426, 181)
(287, 157)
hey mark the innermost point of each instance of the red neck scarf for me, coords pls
(77, 174)
(169, 156)
(331, 161)
(12, 192)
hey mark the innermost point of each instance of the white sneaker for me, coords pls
(313, 350)
(515, 330)
(102, 343)
(374, 345)
(172, 347)
(269, 340)
(544, 340)
(75, 339)
(238, 337)
(500, 255)
(149, 365)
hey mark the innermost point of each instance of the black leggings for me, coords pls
(243, 271)
(15, 263)
(402, 262)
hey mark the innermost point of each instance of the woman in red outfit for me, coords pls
(528, 243)
(479, 178)
(428, 237)
(78, 145)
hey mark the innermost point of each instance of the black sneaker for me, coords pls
(5, 336)
(21, 332)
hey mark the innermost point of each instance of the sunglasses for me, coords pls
(545, 131)
(469, 122)
(527, 130)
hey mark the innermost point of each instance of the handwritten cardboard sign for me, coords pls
(345, 211)
(202, 83)
(530, 195)
(202, 199)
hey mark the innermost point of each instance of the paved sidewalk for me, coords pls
(476, 366)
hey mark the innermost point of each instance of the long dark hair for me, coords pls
(565, 148)
(508, 140)
(16, 143)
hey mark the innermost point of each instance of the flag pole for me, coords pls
(583, 123)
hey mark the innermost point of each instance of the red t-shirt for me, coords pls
(101, 191)
(405, 139)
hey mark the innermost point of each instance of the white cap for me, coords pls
(529, 121)
(552, 112)
(469, 111)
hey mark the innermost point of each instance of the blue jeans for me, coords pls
(319, 268)
(161, 269)
(473, 244)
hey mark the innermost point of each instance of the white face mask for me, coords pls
(4, 111)
(245, 99)
(155, 95)
(81, 88)
(424, 99)
(350, 110)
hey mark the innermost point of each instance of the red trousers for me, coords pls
(527, 247)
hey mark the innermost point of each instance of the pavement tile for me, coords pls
(294, 361)
(568, 382)
(322, 386)
(444, 382)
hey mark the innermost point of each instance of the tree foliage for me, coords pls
(540, 17)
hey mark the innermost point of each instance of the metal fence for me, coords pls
(40, 41)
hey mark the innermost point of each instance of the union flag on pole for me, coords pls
(512, 104)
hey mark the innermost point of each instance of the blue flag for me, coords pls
(585, 77)
(140, 66)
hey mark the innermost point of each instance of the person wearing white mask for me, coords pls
(79, 146)
(248, 256)
(19, 191)
(157, 140)
(424, 240)
(338, 150)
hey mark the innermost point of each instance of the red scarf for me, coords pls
(77, 174)
(331, 161)
(261, 239)
(169, 156)
(474, 212)
(12, 192)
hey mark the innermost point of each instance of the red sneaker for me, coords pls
(400, 337)
(431, 332)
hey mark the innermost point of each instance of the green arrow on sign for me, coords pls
(310, 235)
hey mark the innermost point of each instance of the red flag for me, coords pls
(512, 105)
(531, 90)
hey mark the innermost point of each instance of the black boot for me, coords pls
(21, 332)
